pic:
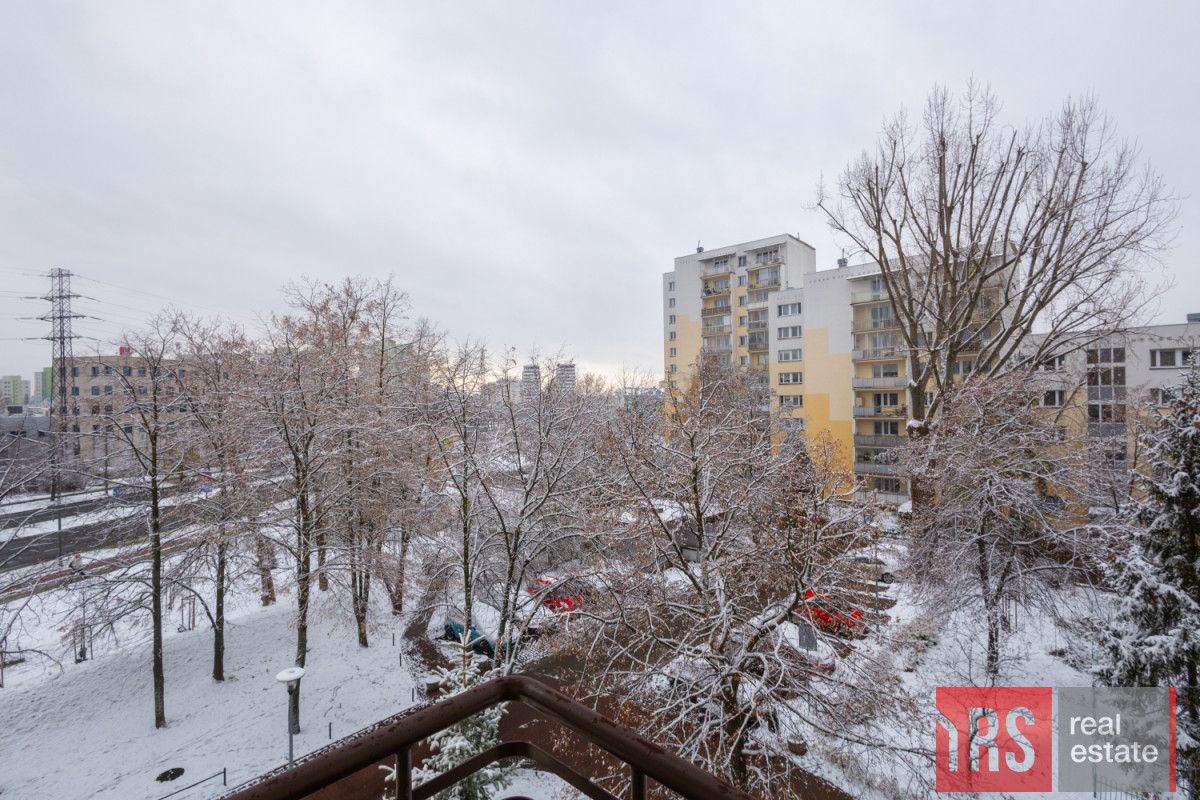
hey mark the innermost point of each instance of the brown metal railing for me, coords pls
(396, 736)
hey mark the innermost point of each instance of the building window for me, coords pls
(95, 391)
(887, 399)
(126, 371)
(794, 354)
(108, 388)
(671, 303)
(673, 353)
(108, 409)
(964, 367)
(107, 370)
(741, 299)
(670, 286)
(1164, 359)
(1055, 398)
(1160, 397)
(743, 360)
(74, 391)
(143, 390)
(788, 309)
(128, 429)
(1054, 364)
(95, 409)
(888, 485)
(95, 371)
(671, 320)
(887, 428)
(674, 368)
(671, 336)
(742, 263)
(74, 372)
(792, 400)
(885, 370)
(791, 377)
(767, 256)
(789, 332)
(721, 263)
(141, 372)
(1106, 355)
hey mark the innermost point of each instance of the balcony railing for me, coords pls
(882, 440)
(757, 325)
(868, 296)
(879, 411)
(872, 353)
(395, 738)
(875, 468)
(710, 291)
(893, 382)
(883, 498)
(710, 268)
(716, 330)
(767, 284)
(757, 343)
(868, 325)
(715, 311)
(717, 348)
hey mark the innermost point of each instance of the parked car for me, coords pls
(556, 593)
(820, 609)
(799, 642)
(875, 569)
(480, 643)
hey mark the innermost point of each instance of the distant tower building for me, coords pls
(531, 380)
(13, 390)
(564, 377)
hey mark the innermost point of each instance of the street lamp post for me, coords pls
(291, 678)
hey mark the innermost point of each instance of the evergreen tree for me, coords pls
(456, 744)
(1156, 641)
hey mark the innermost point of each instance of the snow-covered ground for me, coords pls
(88, 730)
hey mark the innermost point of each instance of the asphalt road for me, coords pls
(129, 529)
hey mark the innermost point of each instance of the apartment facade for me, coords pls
(831, 354)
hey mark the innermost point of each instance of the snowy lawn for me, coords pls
(88, 731)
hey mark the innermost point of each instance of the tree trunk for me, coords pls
(263, 560)
(156, 610)
(219, 613)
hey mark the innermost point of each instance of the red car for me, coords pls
(556, 594)
(820, 609)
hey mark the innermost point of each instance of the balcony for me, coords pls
(875, 468)
(710, 268)
(396, 737)
(716, 348)
(879, 411)
(872, 325)
(868, 296)
(757, 343)
(757, 325)
(892, 499)
(716, 330)
(883, 440)
(717, 289)
(876, 353)
(714, 311)
(893, 382)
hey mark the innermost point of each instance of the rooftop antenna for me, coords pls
(699, 247)
(843, 261)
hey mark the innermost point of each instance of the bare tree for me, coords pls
(1002, 530)
(985, 233)
(145, 419)
(702, 615)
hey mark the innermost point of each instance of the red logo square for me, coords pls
(994, 739)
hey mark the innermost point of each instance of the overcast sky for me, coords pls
(527, 170)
